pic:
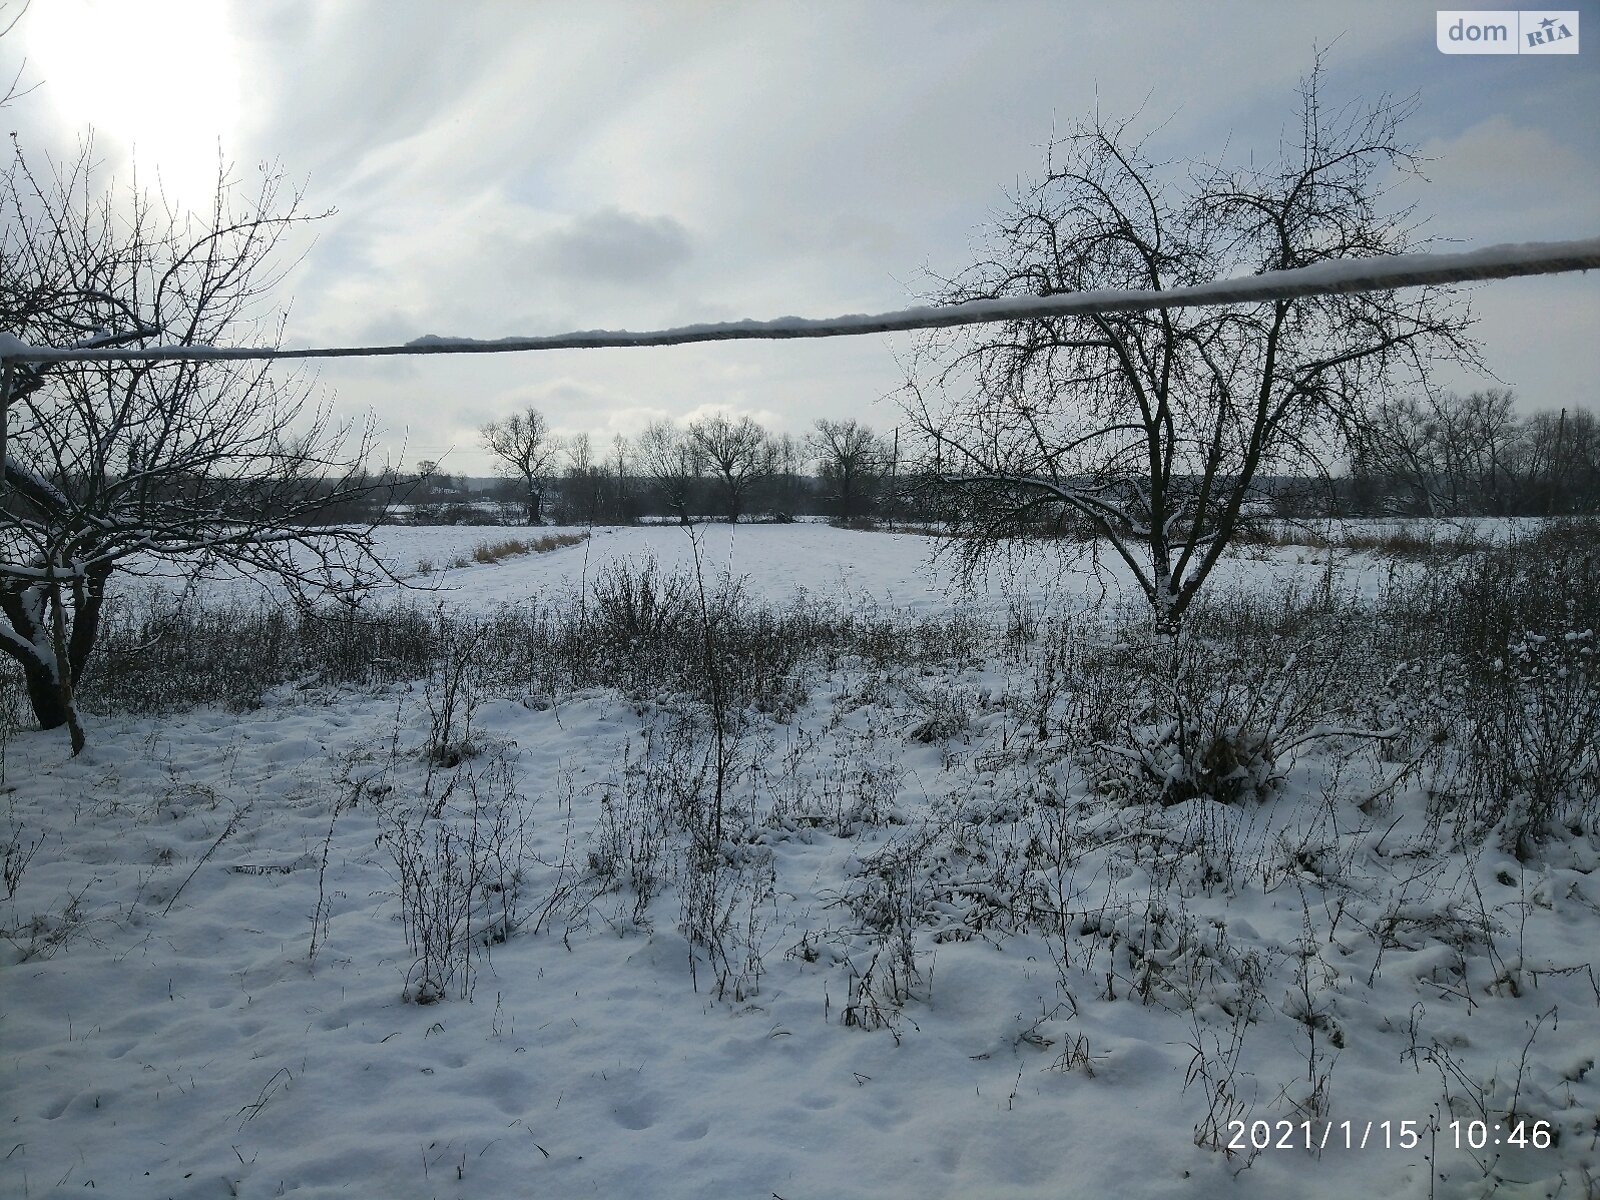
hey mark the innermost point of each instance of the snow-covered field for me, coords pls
(206, 980)
(893, 570)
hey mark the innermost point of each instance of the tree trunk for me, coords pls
(50, 683)
(51, 703)
(44, 695)
(89, 597)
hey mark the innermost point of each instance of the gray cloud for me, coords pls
(613, 246)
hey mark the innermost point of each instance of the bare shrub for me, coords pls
(1217, 718)
(159, 653)
(724, 894)
(668, 821)
(1498, 669)
(880, 989)
(945, 713)
(634, 616)
(631, 844)
(452, 690)
(10, 722)
(457, 862)
(353, 784)
(887, 901)
(16, 852)
(43, 934)
(1507, 1095)
(1305, 1003)
(1531, 762)
(1216, 1068)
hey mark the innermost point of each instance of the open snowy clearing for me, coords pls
(900, 571)
(209, 990)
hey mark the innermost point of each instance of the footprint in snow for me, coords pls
(637, 1113)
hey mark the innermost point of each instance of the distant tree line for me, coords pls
(1449, 455)
(1445, 455)
(718, 467)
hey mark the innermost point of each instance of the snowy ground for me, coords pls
(893, 570)
(167, 1030)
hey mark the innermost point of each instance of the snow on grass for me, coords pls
(927, 959)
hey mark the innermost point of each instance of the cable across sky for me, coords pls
(1379, 273)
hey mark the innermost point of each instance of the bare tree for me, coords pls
(526, 451)
(1480, 435)
(587, 489)
(8, 21)
(674, 465)
(1560, 463)
(1152, 428)
(161, 468)
(1451, 455)
(1391, 451)
(1448, 455)
(430, 488)
(852, 461)
(737, 456)
(594, 490)
(625, 507)
(785, 486)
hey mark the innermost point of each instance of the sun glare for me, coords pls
(159, 77)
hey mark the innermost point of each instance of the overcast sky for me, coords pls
(520, 168)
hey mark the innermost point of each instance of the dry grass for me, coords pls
(489, 553)
(493, 552)
(908, 527)
(1425, 541)
(1401, 543)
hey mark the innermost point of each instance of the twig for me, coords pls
(232, 825)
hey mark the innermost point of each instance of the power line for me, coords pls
(1379, 273)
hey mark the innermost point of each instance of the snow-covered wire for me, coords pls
(1379, 273)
